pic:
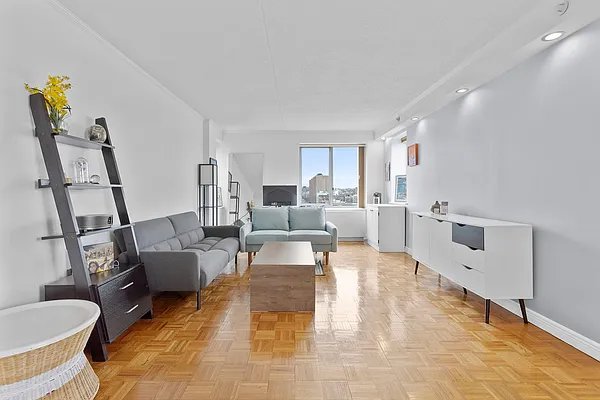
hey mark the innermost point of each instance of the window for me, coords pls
(329, 175)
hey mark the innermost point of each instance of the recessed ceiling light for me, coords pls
(462, 90)
(415, 118)
(552, 36)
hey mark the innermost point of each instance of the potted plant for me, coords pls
(56, 100)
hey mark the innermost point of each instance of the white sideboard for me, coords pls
(491, 258)
(386, 227)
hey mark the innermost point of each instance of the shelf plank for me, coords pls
(45, 184)
(80, 142)
(88, 233)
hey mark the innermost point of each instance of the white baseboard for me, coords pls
(351, 239)
(408, 250)
(577, 340)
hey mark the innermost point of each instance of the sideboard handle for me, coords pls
(461, 225)
(469, 268)
(132, 308)
(126, 286)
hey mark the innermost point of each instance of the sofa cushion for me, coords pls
(230, 245)
(307, 218)
(211, 264)
(205, 244)
(266, 219)
(312, 236)
(166, 245)
(185, 222)
(260, 237)
(153, 231)
(192, 237)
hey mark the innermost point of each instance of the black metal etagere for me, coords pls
(208, 197)
(234, 197)
(81, 284)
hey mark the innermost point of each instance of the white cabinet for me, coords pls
(420, 245)
(386, 227)
(493, 259)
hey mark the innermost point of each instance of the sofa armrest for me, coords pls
(244, 231)
(172, 270)
(222, 231)
(333, 231)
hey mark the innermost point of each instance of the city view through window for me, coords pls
(329, 176)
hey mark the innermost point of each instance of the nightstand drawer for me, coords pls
(124, 300)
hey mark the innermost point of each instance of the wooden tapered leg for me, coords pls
(236, 261)
(487, 310)
(523, 311)
(416, 267)
(465, 290)
(198, 300)
(250, 257)
(326, 258)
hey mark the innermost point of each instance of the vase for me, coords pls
(82, 172)
(58, 122)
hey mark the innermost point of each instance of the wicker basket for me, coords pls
(79, 383)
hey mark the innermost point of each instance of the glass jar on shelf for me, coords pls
(82, 172)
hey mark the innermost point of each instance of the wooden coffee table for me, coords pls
(282, 277)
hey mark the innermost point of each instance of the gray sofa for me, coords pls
(305, 224)
(181, 255)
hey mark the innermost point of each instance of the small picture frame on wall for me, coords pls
(413, 155)
(400, 188)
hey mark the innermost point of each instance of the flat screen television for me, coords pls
(280, 195)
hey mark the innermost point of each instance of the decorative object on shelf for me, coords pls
(100, 257)
(388, 171)
(444, 208)
(376, 198)
(97, 133)
(68, 180)
(413, 155)
(95, 179)
(435, 208)
(82, 172)
(56, 101)
(92, 222)
(400, 188)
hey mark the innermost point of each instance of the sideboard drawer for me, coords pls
(124, 300)
(471, 279)
(468, 235)
(464, 255)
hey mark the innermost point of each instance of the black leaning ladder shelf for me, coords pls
(60, 190)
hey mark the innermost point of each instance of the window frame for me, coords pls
(359, 178)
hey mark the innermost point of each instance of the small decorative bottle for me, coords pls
(435, 208)
(444, 208)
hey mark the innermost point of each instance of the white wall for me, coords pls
(158, 139)
(525, 148)
(247, 169)
(282, 163)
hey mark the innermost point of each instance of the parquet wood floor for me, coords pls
(379, 332)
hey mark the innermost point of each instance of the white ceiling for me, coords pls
(309, 64)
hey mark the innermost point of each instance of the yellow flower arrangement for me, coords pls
(56, 98)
